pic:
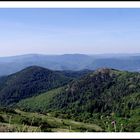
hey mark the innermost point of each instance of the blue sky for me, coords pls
(63, 31)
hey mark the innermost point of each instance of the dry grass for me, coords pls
(5, 128)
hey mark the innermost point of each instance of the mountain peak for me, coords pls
(103, 70)
(35, 67)
(28, 82)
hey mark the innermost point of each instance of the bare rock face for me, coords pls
(103, 70)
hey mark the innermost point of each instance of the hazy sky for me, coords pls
(60, 31)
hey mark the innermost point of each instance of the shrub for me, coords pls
(2, 119)
(31, 121)
(45, 127)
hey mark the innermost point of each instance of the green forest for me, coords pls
(104, 100)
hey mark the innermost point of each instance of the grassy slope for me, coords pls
(33, 122)
(41, 102)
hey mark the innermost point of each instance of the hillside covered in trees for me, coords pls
(100, 97)
(28, 82)
(103, 92)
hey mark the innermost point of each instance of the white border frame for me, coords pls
(75, 4)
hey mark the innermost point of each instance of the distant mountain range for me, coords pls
(75, 62)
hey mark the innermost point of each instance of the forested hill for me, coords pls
(103, 91)
(29, 82)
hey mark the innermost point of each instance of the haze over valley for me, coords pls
(73, 62)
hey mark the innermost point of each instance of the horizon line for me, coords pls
(70, 54)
